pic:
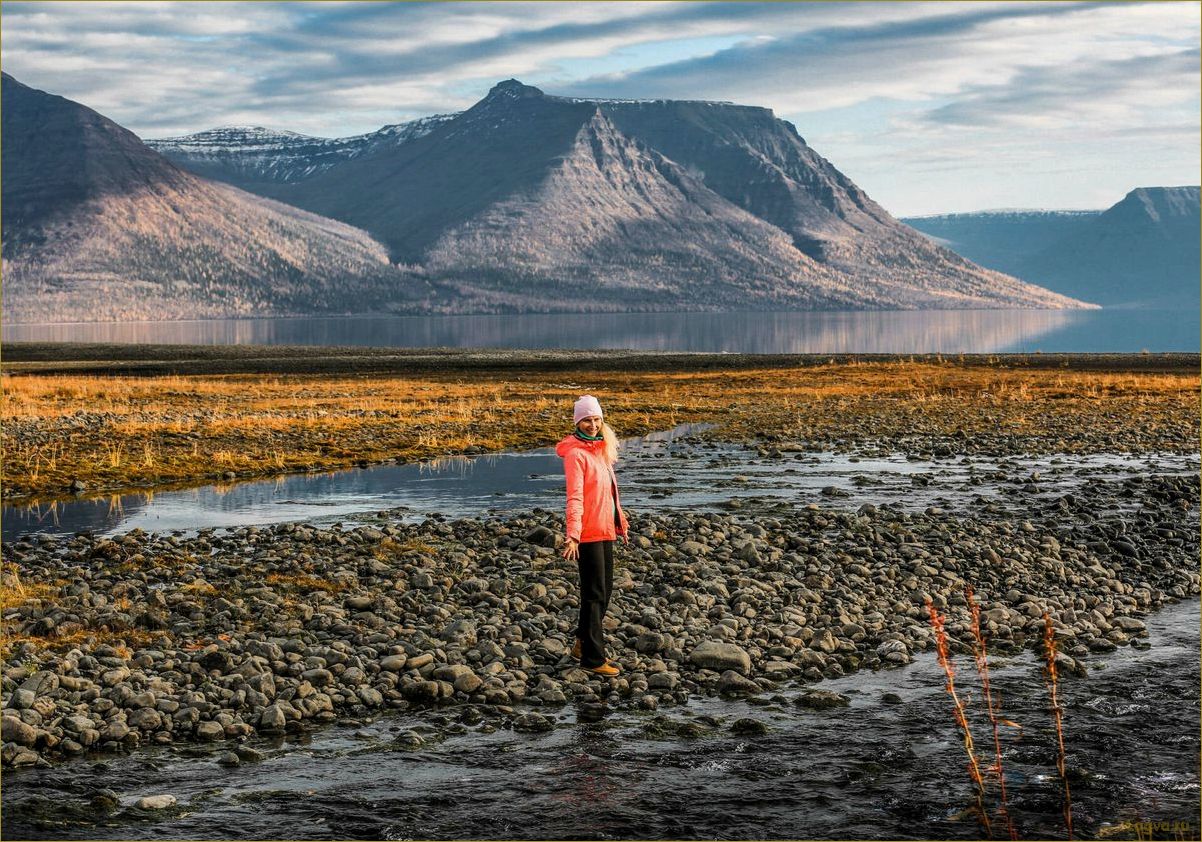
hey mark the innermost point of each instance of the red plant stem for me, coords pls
(1049, 646)
(993, 709)
(974, 768)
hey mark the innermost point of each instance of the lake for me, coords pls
(897, 332)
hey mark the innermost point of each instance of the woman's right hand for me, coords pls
(571, 549)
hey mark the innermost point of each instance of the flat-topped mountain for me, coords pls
(97, 227)
(1143, 251)
(535, 200)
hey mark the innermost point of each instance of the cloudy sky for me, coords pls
(930, 107)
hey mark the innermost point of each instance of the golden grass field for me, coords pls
(123, 432)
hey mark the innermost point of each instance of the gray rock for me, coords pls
(77, 724)
(105, 800)
(663, 681)
(468, 683)
(155, 802)
(318, 677)
(533, 722)
(116, 729)
(749, 727)
(22, 699)
(409, 739)
(733, 682)
(1129, 624)
(649, 643)
(393, 663)
(821, 700)
(42, 682)
(272, 720)
(247, 754)
(145, 719)
(209, 731)
(451, 672)
(13, 730)
(542, 536)
(370, 697)
(711, 654)
(422, 691)
(25, 757)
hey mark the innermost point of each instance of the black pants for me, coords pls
(596, 565)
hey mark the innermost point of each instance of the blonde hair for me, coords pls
(611, 443)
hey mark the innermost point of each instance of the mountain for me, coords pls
(252, 157)
(97, 227)
(539, 202)
(524, 202)
(1143, 251)
(1003, 239)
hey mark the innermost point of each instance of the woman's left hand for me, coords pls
(571, 549)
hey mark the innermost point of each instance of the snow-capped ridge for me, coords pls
(244, 155)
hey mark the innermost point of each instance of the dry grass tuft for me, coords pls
(14, 592)
(303, 582)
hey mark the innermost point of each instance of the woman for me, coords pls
(594, 520)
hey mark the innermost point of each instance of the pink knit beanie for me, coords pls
(587, 405)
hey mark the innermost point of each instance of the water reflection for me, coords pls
(458, 485)
(902, 332)
(661, 471)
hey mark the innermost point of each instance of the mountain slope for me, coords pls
(617, 223)
(99, 227)
(486, 171)
(764, 166)
(1142, 251)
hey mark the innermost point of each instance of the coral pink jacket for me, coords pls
(594, 511)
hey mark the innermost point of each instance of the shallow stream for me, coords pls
(673, 469)
(889, 765)
(886, 766)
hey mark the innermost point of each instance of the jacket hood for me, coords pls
(569, 443)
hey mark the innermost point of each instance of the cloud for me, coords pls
(920, 84)
(1109, 92)
(303, 61)
(919, 58)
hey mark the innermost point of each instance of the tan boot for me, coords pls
(609, 669)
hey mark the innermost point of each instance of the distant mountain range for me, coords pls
(524, 202)
(252, 157)
(1143, 251)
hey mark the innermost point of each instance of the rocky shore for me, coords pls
(150, 638)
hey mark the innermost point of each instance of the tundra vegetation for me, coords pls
(113, 432)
